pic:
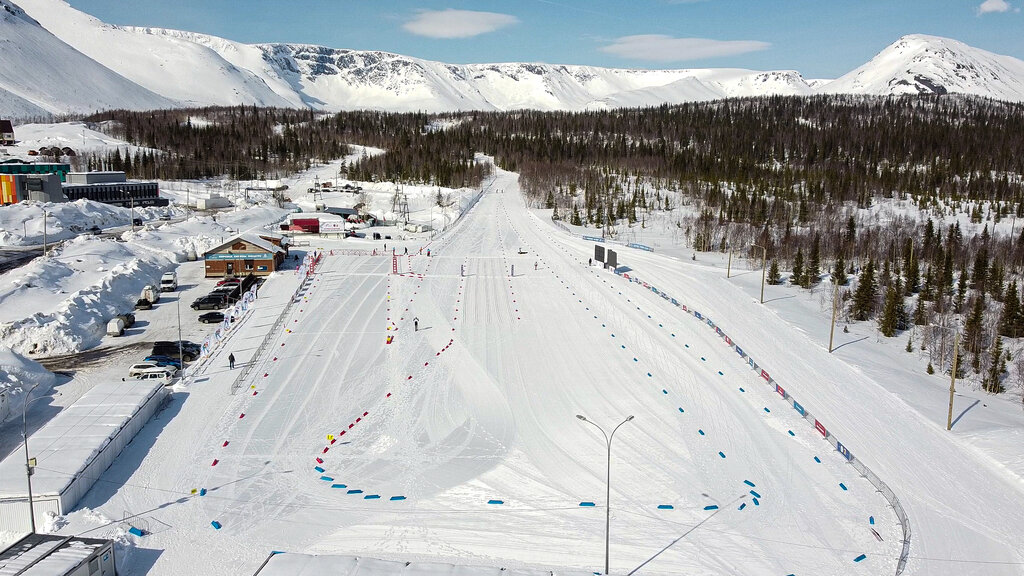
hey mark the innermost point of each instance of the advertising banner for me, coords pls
(799, 408)
(765, 375)
(843, 450)
(332, 226)
(593, 239)
(780, 390)
(821, 428)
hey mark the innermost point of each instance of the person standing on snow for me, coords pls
(416, 324)
(231, 361)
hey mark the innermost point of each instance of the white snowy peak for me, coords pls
(920, 64)
(41, 74)
(63, 60)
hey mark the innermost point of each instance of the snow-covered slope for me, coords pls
(177, 68)
(39, 73)
(919, 64)
(193, 69)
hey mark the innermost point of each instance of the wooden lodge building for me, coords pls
(250, 253)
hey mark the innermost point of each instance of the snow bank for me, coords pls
(17, 375)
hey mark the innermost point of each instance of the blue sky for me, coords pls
(820, 38)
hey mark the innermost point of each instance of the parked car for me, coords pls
(212, 318)
(129, 319)
(160, 360)
(173, 353)
(162, 376)
(151, 293)
(143, 304)
(209, 303)
(169, 282)
(229, 281)
(143, 367)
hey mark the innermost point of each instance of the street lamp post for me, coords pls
(29, 465)
(44, 232)
(764, 264)
(608, 484)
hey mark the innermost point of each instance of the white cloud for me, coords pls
(457, 23)
(994, 6)
(661, 48)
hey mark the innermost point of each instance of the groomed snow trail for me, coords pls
(459, 442)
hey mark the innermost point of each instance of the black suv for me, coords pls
(212, 302)
(189, 350)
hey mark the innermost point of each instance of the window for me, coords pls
(94, 565)
(248, 265)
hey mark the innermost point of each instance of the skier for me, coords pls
(590, 261)
(534, 264)
(428, 252)
(462, 270)
(231, 361)
(513, 270)
(416, 324)
(406, 250)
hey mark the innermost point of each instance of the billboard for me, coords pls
(332, 226)
(613, 259)
(599, 253)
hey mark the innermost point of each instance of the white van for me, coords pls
(115, 327)
(169, 282)
(162, 376)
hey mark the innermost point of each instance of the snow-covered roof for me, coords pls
(67, 443)
(258, 240)
(309, 565)
(47, 554)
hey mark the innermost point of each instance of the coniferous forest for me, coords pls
(786, 173)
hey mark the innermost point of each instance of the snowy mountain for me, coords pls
(192, 69)
(41, 74)
(919, 64)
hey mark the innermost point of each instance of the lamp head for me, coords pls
(580, 416)
(630, 418)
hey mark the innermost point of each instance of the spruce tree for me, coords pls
(839, 271)
(773, 273)
(813, 263)
(864, 295)
(1009, 320)
(887, 321)
(961, 293)
(973, 331)
(997, 367)
(913, 276)
(798, 268)
(920, 314)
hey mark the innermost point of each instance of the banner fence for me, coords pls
(843, 450)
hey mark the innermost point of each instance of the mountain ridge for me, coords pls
(181, 68)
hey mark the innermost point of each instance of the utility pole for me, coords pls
(608, 483)
(131, 199)
(44, 232)
(832, 330)
(728, 270)
(952, 380)
(764, 264)
(181, 355)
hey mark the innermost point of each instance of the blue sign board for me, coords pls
(593, 239)
(640, 247)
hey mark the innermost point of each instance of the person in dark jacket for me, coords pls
(231, 361)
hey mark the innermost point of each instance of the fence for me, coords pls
(633, 245)
(309, 264)
(859, 466)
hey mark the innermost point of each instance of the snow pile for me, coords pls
(18, 374)
(60, 304)
(21, 224)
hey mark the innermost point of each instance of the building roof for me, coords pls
(47, 554)
(256, 239)
(6, 126)
(312, 565)
(72, 438)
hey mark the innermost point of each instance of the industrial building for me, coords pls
(38, 187)
(19, 167)
(6, 133)
(73, 450)
(112, 188)
(55, 555)
(250, 253)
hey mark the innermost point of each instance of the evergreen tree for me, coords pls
(973, 331)
(575, 219)
(913, 276)
(773, 273)
(887, 321)
(839, 271)
(813, 263)
(798, 268)
(865, 294)
(1010, 319)
(961, 293)
(997, 367)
